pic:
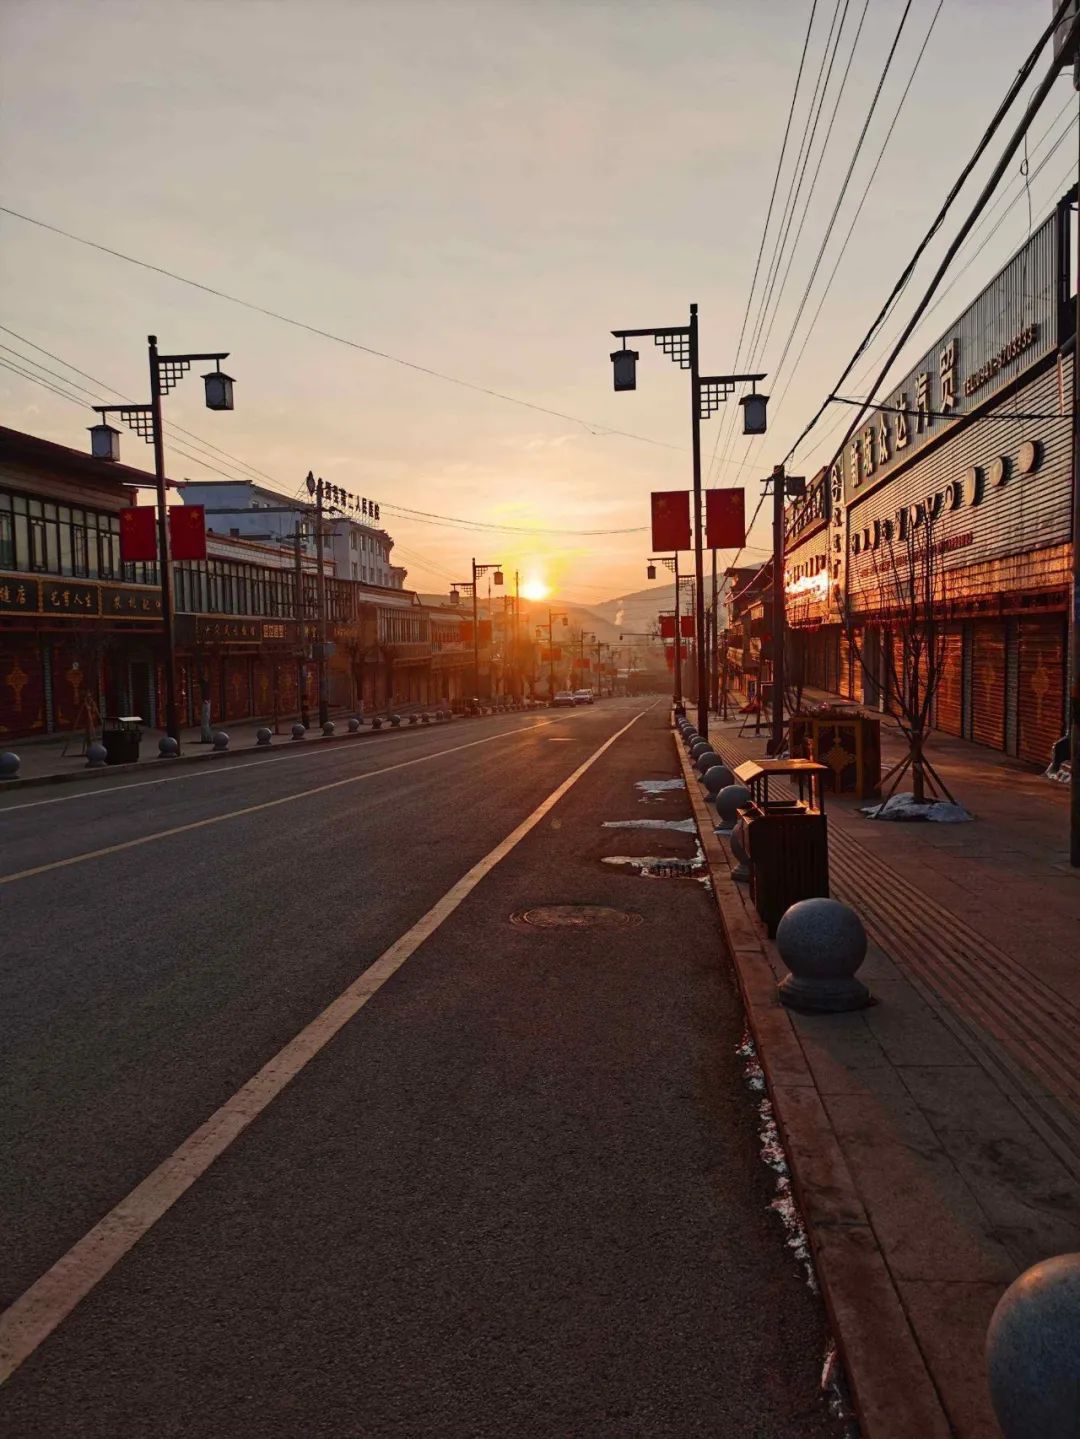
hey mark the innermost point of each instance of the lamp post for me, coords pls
(672, 563)
(583, 635)
(553, 615)
(469, 587)
(633, 635)
(707, 393)
(166, 371)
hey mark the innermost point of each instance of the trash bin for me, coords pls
(121, 735)
(789, 856)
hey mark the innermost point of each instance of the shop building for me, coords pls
(961, 481)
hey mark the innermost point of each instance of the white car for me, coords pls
(583, 697)
(563, 700)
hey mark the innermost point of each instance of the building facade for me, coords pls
(81, 632)
(959, 486)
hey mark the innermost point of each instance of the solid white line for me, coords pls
(30, 1320)
(210, 770)
(255, 808)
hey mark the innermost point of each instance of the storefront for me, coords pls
(954, 502)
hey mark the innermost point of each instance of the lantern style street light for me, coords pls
(553, 615)
(468, 587)
(707, 393)
(166, 371)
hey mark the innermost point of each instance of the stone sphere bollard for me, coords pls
(414, 719)
(700, 747)
(167, 747)
(395, 720)
(1033, 1352)
(328, 728)
(737, 837)
(729, 800)
(96, 755)
(716, 778)
(354, 725)
(263, 737)
(221, 741)
(9, 765)
(823, 943)
(298, 731)
(376, 723)
(706, 759)
(425, 718)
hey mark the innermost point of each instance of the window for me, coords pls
(7, 541)
(79, 563)
(39, 550)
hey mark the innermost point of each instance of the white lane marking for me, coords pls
(314, 751)
(29, 1321)
(121, 845)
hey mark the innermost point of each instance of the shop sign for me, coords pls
(1011, 324)
(60, 597)
(77, 599)
(19, 596)
(132, 602)
(223, 631)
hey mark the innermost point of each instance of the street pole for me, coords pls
(475, 635)
(517, 636)
(1074, 683)
(714, 652)
(172, 725)
(551, 656)
(320, 591)
(301, 615)
(677, 659)
(699, 554)
(776, 743)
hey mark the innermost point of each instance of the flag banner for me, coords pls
(670, 520)
(667, 627)
(466, 632)
(725, 519)
(187, 532)
(686, 626)
(548, 656)
(586, 664)
(485, 632)
(138, 537)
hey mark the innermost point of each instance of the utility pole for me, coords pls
(301, 615)
(776, 743)
(1074, 681)
(320, 593)
(714, 641)
(517, 636)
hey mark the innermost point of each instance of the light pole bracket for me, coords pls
(139, 418)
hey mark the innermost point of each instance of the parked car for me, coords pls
(563, 699)
(583, 697)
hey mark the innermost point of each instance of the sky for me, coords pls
(485, 190)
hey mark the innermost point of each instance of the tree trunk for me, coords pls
(918, 774)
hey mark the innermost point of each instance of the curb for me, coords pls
(891, 1387)
(90, 775)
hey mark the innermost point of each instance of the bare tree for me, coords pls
(906, 584)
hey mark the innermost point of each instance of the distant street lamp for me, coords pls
(707, 393)
(460, 587)
(165, 373)
(553, 615)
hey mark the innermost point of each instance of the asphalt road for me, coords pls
(517, 1193)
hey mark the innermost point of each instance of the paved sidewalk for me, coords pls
(952, 1107)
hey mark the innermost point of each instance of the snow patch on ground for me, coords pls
(653, 789)
(903, 807)
(681, 826)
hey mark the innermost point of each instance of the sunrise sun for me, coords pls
(534, 589)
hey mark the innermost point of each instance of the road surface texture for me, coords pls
(516, 1192)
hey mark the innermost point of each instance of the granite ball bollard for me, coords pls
(328, 728)
(96, 755)
(716, 778)
(263, 737)
(354, 725)
(298, 731)
(1033, 1352)
(395, 721)
(737, 837)
(414, 719)
(729, 800)
(376, 723)
(699, 746)
(425, 718)
(823, 943)
(706, 759)
(221, 741)
(9, 765)
(167, 747)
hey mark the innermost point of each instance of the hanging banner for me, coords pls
(686, 626)
(667, 627)
(549, 656)
(138, 537)
(725, 519)
(670, 521)
(466, 632)
(485, 632)
(187, 532)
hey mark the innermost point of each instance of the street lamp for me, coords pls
(468, 587)
(553, 615)
(707, 393)
(672, 563)
(166, 371)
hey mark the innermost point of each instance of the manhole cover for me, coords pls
(575, 916)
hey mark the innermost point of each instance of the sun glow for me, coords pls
(534, 589)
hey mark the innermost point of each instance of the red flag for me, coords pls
(187, 532)
(485, 632)
(667, 627)
(547, 655)
(466, 632)
(725, 519)
(686, 626)
(670, 520)
(138, 537)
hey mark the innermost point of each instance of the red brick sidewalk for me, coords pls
(955, 1101)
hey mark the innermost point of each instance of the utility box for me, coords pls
(121, 735)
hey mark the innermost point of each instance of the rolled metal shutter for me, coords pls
(1012, 676)
(1041, 698)
(950, 701)
(988, 683)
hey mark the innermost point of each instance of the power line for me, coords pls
(506, 529)
(593, 427)
(1020, 80)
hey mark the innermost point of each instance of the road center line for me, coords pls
(255, 808)
(29, 1321)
